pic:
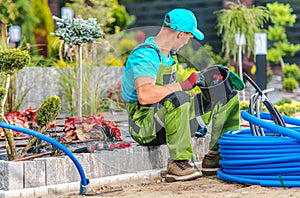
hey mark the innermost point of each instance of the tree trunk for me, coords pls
(32, 141)
(11, 95)
(80, 81)
(4, 33)
(282, 65)
(11, 146)
(10, 142)
(41, 42)
(6, 93)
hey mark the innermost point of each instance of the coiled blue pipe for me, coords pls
(271, 160)
(84, 181)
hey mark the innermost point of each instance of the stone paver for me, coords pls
(149, 176)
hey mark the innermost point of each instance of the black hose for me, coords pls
(257, 99)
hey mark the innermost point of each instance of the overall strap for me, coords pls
(149, 46)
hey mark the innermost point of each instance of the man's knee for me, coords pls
(177, 98)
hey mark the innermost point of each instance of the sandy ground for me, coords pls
(204, 187)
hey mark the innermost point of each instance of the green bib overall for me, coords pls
(173, 120)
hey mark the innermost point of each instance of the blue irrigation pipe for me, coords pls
(270, 160)
(271, 126)
(84, 181)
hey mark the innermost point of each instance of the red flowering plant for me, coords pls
(24, 119)
(91, 128)
(75, 128)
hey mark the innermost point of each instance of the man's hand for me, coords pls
(195, 79)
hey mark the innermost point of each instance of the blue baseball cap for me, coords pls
(183, 20)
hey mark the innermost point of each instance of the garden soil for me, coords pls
(204, 187)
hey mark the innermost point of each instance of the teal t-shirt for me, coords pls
(143, 61)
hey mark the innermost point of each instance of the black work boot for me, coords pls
(210, 163)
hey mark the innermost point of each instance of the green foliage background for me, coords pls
(281, 16)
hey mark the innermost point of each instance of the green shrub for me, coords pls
(43, 27)
(13, 59)
(244, 105)
(284, 101)
(113, 16)
(121, 19)
(274, 55)
(48, 111)
(282, 16)
(76, 31)
(289, 109)
(289, 84)
(291, 71)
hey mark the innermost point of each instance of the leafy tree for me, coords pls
(239, 19)
(281, 16)
(77, 31)
(121, 19)
(44, 26)
(243, 21)
(113, 16)
(10, 61)
(27, 20)
(7, 15)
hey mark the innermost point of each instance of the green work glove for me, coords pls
(235, 81)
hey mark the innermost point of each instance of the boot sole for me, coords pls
(209, 171)
(173, 178)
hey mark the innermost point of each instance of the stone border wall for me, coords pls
(47, 171)
(59, 170)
